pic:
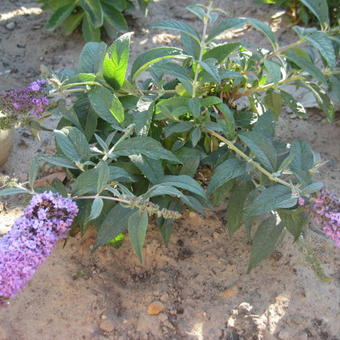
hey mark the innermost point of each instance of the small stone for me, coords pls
(10, 26)
(155, 308)
(164, 297)
(168, 324)
(106, 326)
(103, 317)
(230, 292)
(163, 317)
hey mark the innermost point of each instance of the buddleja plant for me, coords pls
(91, 15)
(326, 12)
(200, 129)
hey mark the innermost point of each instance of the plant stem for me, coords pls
(91, 83)
(127, 133)
(256, 165)
(110, 198)
(266, 87)
(202, 48)
(285, 48)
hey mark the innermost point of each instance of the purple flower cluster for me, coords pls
(28, 101)
(325, 210)
(32, 238)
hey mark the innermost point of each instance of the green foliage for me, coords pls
(91, 15)
(135, 149)
(307, 12)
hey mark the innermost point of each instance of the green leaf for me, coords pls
(146, 59)
(33, 172)
(13, 191)
(58, 161)
(116, 61)
(115, 223)
(303, 156)
(296, 107)
(229, 169)
(272, 198)
(265, 29)
(94, 11)
(115, 18)
(294, 220)
(321, 42)
(91, 57)
(262, 147)
(152, 169)
(322, 98)
(211, 69)
(234, 23)
(225, 25)
(103, 176)
(137, 227)
(177, 128)
(86, 182)
(59, 16)
(302, 59)
(146, 146)
(72, 22)
(195, 136)
(172, 24)
(311, 188)
(96, 208)
(184, 182)
(197, 10)
(106, 105)
(191, 46)
(72, 143)
(273, 69)
(319, 8)
(190, 157)
(265, 241)
(90, 33)
(236, 203)
(221, 52)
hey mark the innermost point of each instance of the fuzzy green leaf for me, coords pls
(236, 203)
(146, 59)
(116, 61)
(265, 241)
(106, 105)
(272, 198)
(262, 147)
(229, 169)
(137, 227)
(172, 24)
(94, 11)
(91, 57)
(319, 8)
(114, 223)
(294, 220)
(146, 146)
(59, 16)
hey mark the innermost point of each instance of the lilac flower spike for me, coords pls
(21, 104)
(31, 240)
(325, 210)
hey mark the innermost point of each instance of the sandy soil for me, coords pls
(199, 280)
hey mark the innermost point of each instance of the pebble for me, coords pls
(106, 326)
(10, 26)
(155, 308)
(230, 292)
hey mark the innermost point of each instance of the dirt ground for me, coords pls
(199, 280)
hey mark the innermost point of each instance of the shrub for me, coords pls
(91, 15)
(309, 12)
(201, 128)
